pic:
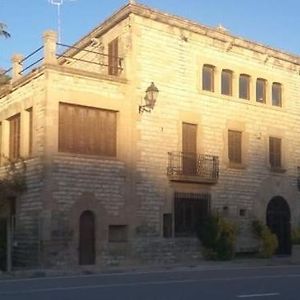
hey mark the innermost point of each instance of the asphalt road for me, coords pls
(258, 283)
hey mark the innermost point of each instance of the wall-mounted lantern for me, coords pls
(150, 98)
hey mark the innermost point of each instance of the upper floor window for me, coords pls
(208, 78)
(244, 86)
(226, 82)
(275, 152)
(235, 146)
(14, 136)
(87, 130)
(30, 133)
(276, 94)
(113, 57)
(261, 90)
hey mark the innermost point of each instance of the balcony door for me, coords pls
(189, 149)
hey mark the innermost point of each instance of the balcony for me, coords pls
(193, 167)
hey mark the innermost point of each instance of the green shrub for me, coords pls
(217, 236)
(296, 236)
(268, 240)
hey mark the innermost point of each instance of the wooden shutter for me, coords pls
(14, 137)
(30, 133)
(275, 152)
(189, 148)
(235, 146)
(113, 57)
(87, 130)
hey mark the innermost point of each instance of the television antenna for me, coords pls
(58, 4)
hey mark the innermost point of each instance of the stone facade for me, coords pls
(133, 189)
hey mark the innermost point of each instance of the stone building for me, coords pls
(116, 178)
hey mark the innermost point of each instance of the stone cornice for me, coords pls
(188, 25)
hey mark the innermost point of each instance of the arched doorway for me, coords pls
(278, 220)
(87, 238)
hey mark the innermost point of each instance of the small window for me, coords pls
(243, 212)
(14, 136)
(235, 146)
(226, 82)
(113, 58)
(275, 152)
(208, 78)
(261, 90)
(167, 225)
(244, 86)
(117, 233)
(276, 94)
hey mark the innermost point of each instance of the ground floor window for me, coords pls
(190, 209)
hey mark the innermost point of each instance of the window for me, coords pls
(14, 137)
(275, 152)
(167, 225)
(235, 146)
(87, 130)
(117, 233)
(190, 209)
(261, 90)
(113, 57)
(29, 110)
(244, 86)
(208, 78)
(226, 82)
(276, 94)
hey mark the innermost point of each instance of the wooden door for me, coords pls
(3, 244)
(189, 149)
(87, 238)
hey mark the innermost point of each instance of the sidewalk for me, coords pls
(237, 263)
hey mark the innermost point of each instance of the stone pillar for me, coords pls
(50, 40)
(17, 66)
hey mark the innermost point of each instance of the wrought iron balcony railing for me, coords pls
(184, 166)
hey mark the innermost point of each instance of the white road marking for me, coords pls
(258, 295)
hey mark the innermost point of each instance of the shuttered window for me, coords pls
(208, 78)
(275, 152)
(30, 133)
(235, 146)
(87, 130)
(190, 210)
(113, 60)
(14, 136)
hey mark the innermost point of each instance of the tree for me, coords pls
(3, 31)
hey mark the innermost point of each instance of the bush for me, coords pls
(217, 236)
(268, 240)
(296, 236)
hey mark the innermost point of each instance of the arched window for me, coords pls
(276, 94)
(261, 90)
(208, 78)
(244, 86)
(226, 82)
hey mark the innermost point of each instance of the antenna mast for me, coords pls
(58, 4)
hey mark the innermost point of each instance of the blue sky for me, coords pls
(272, 22)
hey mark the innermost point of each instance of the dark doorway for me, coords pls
(87, 238)
(3, 244)
(189, 149)
(278, 220)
